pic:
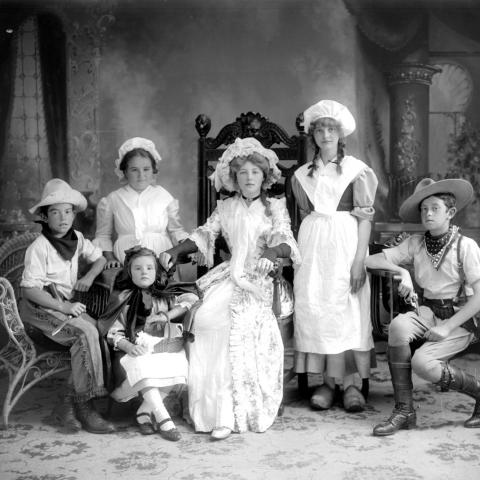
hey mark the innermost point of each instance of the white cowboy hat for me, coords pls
(243, 147)
(461, 189)
(330, 109)
(59, 191)
(131, 144)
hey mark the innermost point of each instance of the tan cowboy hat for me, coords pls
(462, 189)
(58, 191)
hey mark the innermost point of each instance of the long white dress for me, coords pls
(149, 218)
(236, 361)
(329, 318)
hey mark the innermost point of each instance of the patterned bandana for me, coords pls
(437, 247)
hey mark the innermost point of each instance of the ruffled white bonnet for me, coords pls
(129, 145)
(330, 109)
(243, 147)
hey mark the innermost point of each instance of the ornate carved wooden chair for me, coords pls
(28, 356)
(291, 151)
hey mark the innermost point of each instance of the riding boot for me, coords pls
(91, 420)
(403, 415)
(456, 379)
(64, 413)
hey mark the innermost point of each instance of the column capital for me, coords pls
(418, 73)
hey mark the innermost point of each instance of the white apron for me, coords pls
(329, 319)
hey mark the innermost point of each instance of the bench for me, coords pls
(28, 357)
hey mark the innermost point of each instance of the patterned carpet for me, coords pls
(302, 444)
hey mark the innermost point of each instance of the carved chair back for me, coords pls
(290, 149)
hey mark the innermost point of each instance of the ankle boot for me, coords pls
(64, 413)
(455, 379)
(91, 420)
(403, 415)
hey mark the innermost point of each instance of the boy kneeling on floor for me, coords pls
(445, 263)
(48, 281)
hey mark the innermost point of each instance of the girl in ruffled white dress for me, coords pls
(137, 318)
(140, 212)
(236, 362)
(335, 194)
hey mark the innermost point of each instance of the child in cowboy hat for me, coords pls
(445, 262)
(48, 281)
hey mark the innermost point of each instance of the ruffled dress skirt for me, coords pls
(236, 361)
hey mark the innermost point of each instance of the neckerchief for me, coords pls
(139, 300)
(437, 247)
(66, 246)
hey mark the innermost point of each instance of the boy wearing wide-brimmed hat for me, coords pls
(445, 262)
(49, 278)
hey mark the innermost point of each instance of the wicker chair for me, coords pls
(28, 356)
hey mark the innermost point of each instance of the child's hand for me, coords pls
(405, 289)
(83, 284)
(75, 308)
(264, 266)
(437, 334)
(112, 264)
(137, 350)
(167, 261)
(358, 275)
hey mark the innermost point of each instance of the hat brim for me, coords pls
(462, 189)
(74, 198)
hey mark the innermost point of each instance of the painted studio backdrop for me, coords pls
(79, 77)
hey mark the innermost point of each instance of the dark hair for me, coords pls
(327, 122)
(448, 199)
(135, 252)
(261, 162)
(43, 210)
(140, 152)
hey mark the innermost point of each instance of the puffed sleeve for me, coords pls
(174, 227)
(301, 197)
(205, 237)
(35, 272)
(364, 189)
(103, 235)
(281, 229)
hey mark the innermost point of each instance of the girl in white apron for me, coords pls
(335, 193)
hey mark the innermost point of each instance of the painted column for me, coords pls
(409, 110)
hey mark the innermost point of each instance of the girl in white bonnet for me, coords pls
(335, 193)
(139, 212)
(235, 378)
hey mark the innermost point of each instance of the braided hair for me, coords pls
(341, 147)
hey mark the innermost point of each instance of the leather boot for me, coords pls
(456, 379)
(64, 413)
(91, 420)
(403, 415)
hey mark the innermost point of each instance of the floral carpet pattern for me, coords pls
(302, 443)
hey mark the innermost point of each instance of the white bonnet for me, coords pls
(330, 109)
(131, 144)
(243, 147)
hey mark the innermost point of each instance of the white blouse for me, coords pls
(149, 218)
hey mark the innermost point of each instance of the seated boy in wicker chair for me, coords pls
(49, 278)
(149, 356)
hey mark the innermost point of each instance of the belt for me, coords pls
(443, 309)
